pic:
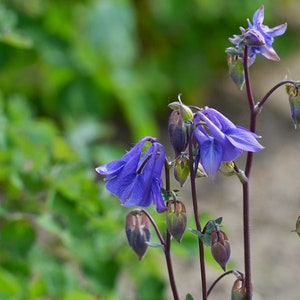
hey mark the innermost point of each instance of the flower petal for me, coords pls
(157, 196)
(244, 139)
(278, 30)
(211, 156)
(258, 16)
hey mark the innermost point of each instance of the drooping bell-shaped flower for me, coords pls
(220, 140)
(136, 178)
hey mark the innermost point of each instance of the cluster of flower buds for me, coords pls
(176, 219)
(138, 232)
(220, 248)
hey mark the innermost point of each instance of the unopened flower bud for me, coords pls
(176, 219)
(185, 112)
(138, 232)
(253, 37)
(181, 169)
(238, 291)
(220, 248)
(236, 69)
(178, 132)
(294, 100)
(200, 171)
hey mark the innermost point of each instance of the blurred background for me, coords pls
(80, 83)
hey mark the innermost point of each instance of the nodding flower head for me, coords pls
(219, 140)
(136, 178)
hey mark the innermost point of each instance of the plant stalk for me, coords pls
(167, 244)
(197, 220)
(246, 190)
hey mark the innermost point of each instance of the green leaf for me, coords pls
(17, 236)
(189, 297)
(9, 286)
(78, 295)
(209, 227)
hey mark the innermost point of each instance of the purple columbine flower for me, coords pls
(258, 37)
(136, 178)
(220, 140)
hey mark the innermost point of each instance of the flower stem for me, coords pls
(246, 192)
(197, 220)
(273, 89)
(167, 243)
(220, 277)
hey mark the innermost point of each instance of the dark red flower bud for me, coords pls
(176, 219)
(138, 232)
(220, 247)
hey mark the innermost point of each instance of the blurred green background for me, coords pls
(81, 81)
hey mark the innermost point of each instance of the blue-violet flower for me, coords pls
(258, 37)
(136, 178)
(220, 140)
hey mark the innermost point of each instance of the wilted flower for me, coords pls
(138, 232)
(176, 219)
(294, 100)
(136, 178)
(258, 37)
(220, 248)
(220, 140)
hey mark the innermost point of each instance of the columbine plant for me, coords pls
(205, 143)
